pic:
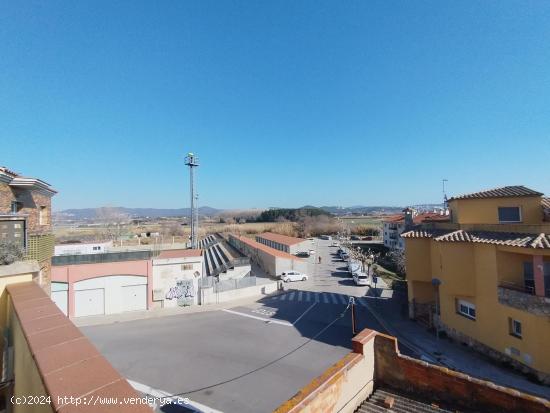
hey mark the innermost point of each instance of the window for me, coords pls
(186, 267)
(43, 215)
(15, 207)
(509, 214)
(466, 309)
(528, 277)
(515, 327)
(96, 248)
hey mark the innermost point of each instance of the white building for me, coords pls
(78, 248)
(176, 276)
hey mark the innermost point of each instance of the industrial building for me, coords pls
(273, 261)
(290, 245)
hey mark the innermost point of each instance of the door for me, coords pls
(134, 297)
(89, 302)
(60, 299)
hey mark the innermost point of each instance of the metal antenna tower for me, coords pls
(444, 194)
(192, 162)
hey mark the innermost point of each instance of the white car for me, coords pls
(360, 278)
(311, 252)
(289, 276)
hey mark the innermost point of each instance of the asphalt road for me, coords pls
(243, 359)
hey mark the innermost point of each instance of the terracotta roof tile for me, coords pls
(68, 364)
(265, 248)
(281, 239)
(503, 192)
(546, 203)
(541, 241)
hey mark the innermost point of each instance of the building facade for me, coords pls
(484, 277)
(290, 245)
(273, 261)
(75, 248)
(25, 218)
(395, 225)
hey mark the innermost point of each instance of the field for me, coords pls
(373, 221)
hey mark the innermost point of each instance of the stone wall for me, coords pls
(31, 201)
(533, 304)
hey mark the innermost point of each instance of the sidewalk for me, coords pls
(164, 312)
(391, 313)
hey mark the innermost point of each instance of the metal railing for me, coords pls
(226, 285)
(101, 258)
(510, 285)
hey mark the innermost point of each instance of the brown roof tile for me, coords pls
(281, 239)
(265, 248)
(546, 203)
(503, 192)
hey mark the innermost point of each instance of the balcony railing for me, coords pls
(517, 287)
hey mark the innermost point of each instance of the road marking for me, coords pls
(300, 293)
(304, 313)
(317, 298)
(325, 298)
(283, 297)
(291, 296)
(308, 296)
(333, 298)
(268, 320)
(163, 395)
(342, 299)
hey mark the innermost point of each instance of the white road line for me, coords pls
(283, 297)
(291, 296)
(304, 313)
(342, 299)
(362, 301)
(164, 395)
(333, 298)
(300, 295)
(325, 298)
(269, 320)
(317, 298)
(308, 296)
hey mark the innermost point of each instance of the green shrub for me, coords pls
(10, 251)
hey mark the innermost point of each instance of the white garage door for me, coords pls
(89, 302)
(134, 297)
(60, 298)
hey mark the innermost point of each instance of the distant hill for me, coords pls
(80, 214)
(360, 209)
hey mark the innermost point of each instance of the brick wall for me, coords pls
(31, 202)
(445, 386)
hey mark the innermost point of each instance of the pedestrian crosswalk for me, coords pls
(317, 297)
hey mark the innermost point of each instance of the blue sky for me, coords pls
(286, 102)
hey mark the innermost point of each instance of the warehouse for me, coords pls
(290, 245)
(273, 261)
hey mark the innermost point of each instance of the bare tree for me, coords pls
(113, 220)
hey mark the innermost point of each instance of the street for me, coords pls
(247, 358)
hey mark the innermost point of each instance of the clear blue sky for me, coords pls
(286, 102)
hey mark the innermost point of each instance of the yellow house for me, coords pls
(484, 276)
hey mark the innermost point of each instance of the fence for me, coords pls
(226, 285)
(100, 258)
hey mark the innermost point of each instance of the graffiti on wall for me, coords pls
(183, 291)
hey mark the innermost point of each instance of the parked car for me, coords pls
(311, 252)
(355, 238)
(360, 278)
(289, 276)
(304, 254)
(344, 256)
(335, 244)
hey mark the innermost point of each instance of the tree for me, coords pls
(10, 251)
(113, 219)
(397, 260)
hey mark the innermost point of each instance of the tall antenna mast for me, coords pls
(444, 194)
(192, 162)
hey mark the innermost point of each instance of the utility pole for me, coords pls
(192, 162)
(444, 194)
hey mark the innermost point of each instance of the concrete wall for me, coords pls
(91, 248)
(71, 274)
(343, 386)
(167, 272)
(208, 296)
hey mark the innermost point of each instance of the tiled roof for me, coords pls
(541, 241)
(423, 233)
(504, 192)
(281, 239)
(546, 203)
(419, 218)
(265, 248)
(180, 253)
(394, 218)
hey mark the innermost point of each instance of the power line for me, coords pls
(267, 364)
